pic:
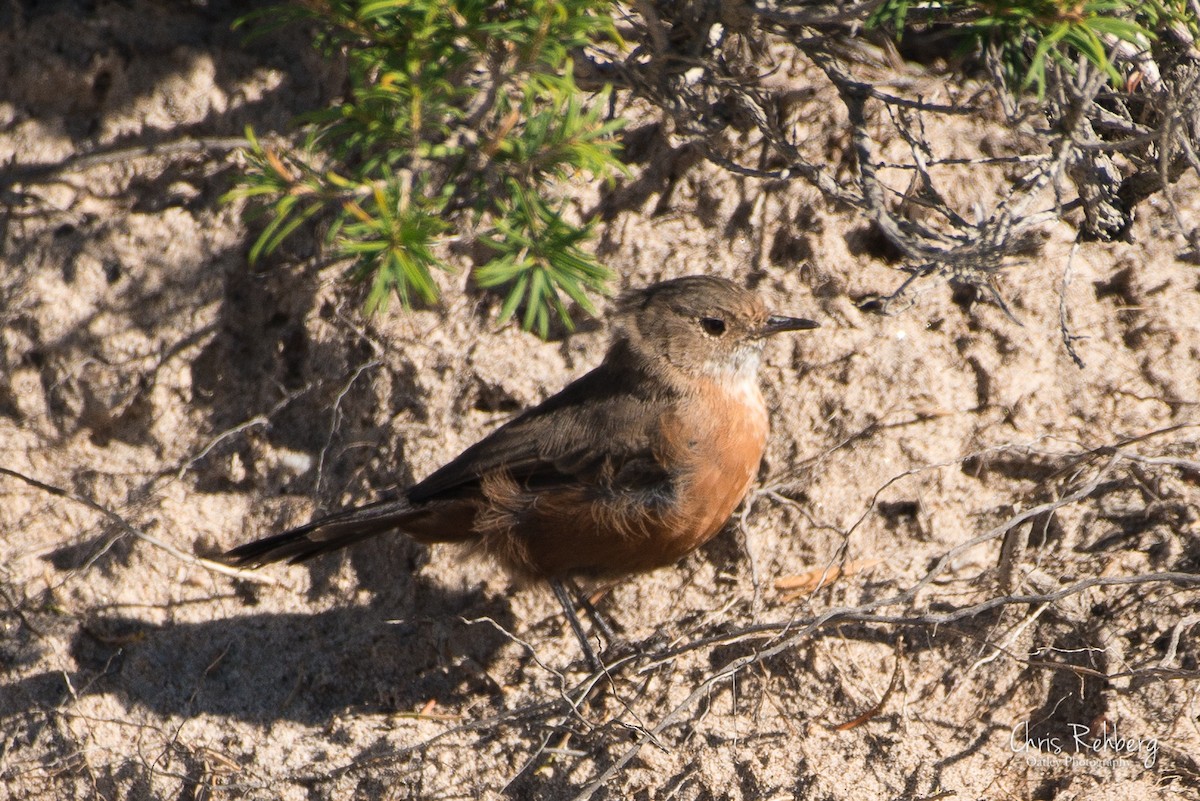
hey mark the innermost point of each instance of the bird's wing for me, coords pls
(600, 430)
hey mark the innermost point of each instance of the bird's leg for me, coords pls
(564, 598)
(598, 620)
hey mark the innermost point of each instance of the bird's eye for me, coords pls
(713, 326)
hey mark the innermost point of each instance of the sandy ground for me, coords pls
(173, 401)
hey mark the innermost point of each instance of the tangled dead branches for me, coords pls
(719, 72)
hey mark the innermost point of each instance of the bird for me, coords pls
(627, 469)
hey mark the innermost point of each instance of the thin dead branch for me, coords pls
(149, 539)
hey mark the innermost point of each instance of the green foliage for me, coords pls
(460, 115)
(531, 239)
(1028, 33)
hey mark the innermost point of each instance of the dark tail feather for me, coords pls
(323, 535)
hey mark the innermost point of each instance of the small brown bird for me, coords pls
(625, 470)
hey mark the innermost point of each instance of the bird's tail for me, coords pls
(323, 535)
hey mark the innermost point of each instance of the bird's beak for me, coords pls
(777, 325)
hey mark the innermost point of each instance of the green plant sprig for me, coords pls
(1028, 34)
(459, 114)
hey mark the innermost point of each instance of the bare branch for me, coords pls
(113, 517)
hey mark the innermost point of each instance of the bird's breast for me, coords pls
(726, 427)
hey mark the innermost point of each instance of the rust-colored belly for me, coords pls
(723, 462)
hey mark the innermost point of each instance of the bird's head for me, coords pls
(700, 325)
